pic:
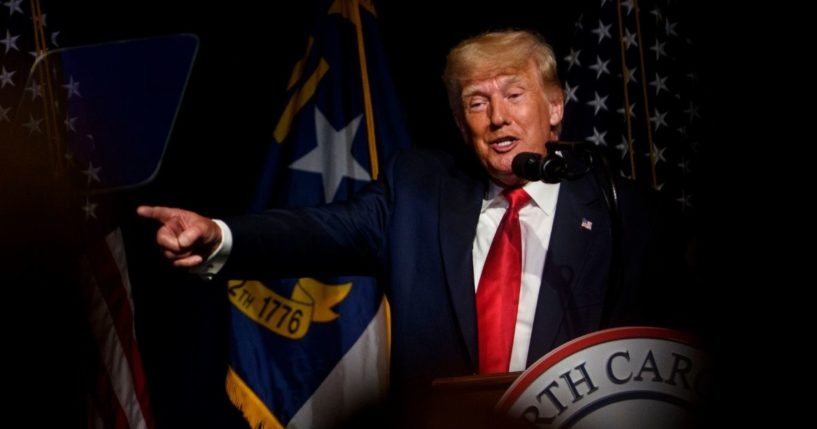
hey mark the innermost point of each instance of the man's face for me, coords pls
(505, 115)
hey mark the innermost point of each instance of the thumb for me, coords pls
(189, 236)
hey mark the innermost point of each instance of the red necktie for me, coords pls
(498, 291)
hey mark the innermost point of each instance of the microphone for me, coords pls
(532, 166)
(564, 161)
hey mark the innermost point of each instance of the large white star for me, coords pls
(333, 158)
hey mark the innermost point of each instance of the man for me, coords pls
(427, 227)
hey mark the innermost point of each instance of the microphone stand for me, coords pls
(616, 279)
(609, 190)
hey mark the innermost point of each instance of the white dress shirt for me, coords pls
(536, 220)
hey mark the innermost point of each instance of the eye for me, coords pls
(515, 95)
(477, 104)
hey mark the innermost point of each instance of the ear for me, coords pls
(557, 109)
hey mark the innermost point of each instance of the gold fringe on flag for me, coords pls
(254, 410)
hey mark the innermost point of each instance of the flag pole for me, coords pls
(367, 95)
(647, 118)
(49, 109)
(626, 73)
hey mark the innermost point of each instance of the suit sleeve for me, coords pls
(336, 239)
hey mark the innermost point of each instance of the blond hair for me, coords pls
(492, 53)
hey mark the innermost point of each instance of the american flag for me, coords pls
(18, 51)
(41, 124)
(630, 87)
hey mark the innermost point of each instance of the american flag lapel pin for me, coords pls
(586, 224)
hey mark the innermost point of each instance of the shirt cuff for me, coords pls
(213, 264)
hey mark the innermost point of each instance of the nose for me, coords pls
(499, 115)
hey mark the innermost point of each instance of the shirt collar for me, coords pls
(542, 194)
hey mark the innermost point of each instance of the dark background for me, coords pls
(225, 124)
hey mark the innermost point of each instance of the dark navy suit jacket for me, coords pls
(414, 228)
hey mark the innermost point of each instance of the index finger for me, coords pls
(162, 214)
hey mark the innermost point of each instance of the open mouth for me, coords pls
(503, 144)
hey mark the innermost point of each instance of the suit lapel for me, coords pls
(567, 253)
(460, 202)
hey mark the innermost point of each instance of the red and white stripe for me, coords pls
(120, 397)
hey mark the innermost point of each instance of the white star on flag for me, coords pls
(570, 93)
(332, 158)
(5, 77)
(70, 123)
(90, 209)
(35, 89)
(573, 58)
(72, 88)
(92, 173)
(33, 125)
(603, 31)
(10, 42)
(14, 6)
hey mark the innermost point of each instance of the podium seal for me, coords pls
(631, 377)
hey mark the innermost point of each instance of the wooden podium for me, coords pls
(474, 389)
(469, 401)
